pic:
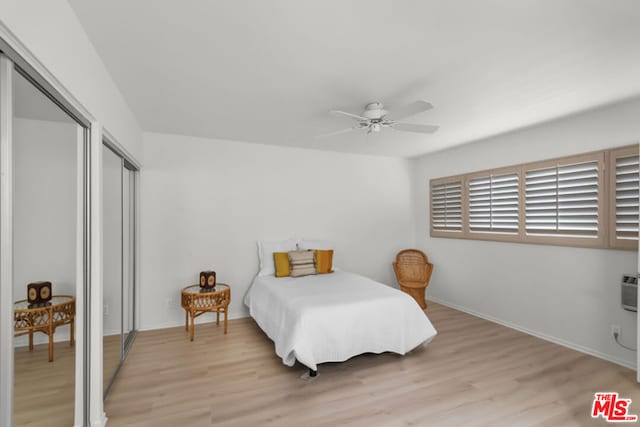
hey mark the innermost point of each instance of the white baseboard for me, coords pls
(40, 338)
(550, 338)
(176, 323)
(100, 422)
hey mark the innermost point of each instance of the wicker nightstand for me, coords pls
(197, 301)
(61, 311)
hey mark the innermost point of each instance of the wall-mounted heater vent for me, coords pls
(629, 292)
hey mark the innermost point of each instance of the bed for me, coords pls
(333, 317)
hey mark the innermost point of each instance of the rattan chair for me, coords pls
(413, 271)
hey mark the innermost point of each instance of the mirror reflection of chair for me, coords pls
(413, 272)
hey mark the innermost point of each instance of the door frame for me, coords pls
(127, 163)
(15, 56)
(6, 241)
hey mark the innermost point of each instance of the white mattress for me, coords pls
(333, 317)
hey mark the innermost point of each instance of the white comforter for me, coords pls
(333, 317)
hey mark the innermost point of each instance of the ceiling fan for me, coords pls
(375, 118)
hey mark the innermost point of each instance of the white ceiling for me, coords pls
(268, 71)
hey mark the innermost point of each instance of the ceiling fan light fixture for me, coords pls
(374, 110)
(374, 118)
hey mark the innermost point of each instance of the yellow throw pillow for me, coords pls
(281, 260)
(324, 261)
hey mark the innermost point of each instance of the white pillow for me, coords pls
(265, 253)
(323, 245)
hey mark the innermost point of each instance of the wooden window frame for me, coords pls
(606, 238)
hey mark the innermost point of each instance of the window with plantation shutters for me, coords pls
(563, 200)
(587, 200)
(493, 203)
(624, 190)
(446, 206)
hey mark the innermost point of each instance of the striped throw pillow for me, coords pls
(301, 263)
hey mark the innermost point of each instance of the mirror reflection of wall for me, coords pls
(119, 261)
(45, 144)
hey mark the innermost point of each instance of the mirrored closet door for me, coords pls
(128, 247)
(48, 259)
(119, 285)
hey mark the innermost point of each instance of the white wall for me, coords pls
(44, 210)
(571, 295)
(52, 32)
(206, 202)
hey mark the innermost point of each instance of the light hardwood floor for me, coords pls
(44, 392)
(111, 355)
(474, 373)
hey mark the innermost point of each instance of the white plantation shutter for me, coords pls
(587, 200)
(446, 206)
(626, 197)
(493, 203)
(563, 200)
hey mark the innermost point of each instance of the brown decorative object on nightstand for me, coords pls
(413, 271)
(207, 279)
(197, 301)
(38, 293)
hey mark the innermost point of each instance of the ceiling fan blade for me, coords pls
(344, 113)
(410, 127)
(409, 110)
(339, 132)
